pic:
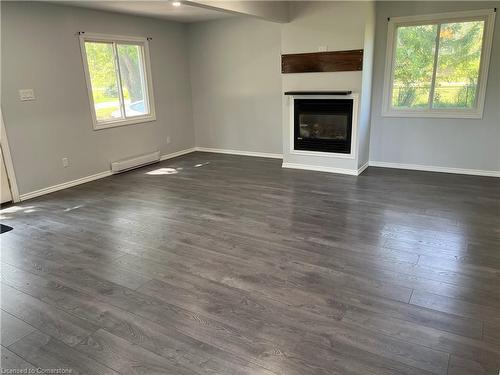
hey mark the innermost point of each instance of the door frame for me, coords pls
(7, 159)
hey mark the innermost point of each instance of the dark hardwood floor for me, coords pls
(219, 264)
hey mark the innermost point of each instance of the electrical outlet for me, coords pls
(65, 162)
(26, 94)
(322, 48)
(168, 139)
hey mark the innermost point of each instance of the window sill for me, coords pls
(448, 114)
(130, 121)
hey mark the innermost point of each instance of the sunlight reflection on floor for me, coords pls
(15, 209)
(73, 208)
(161, 171)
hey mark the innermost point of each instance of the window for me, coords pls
(437, 65)
(118, 77)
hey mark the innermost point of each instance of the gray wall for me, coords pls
(40, 51)
(455, 143)
(236, 84)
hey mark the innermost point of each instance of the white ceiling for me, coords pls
(157, 9)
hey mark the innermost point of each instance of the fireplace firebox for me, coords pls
(323, 125)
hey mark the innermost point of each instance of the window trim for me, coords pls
(488, 15)
(98, 125)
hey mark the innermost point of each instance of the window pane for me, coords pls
(133, 80)
(459, 57)
(413, 67)
(101, 62)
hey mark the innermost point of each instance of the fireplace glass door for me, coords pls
(323, 125)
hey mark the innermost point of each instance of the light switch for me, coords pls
(26, 94)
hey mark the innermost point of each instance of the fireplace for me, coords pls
(323, 125)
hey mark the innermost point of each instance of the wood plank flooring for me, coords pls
(220, 264)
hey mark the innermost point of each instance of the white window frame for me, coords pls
(149, 96)
(486, 15)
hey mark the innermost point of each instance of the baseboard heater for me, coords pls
(134, 162)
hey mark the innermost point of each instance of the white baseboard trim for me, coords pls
(362, 168)
(431, 168)
(177, 153)
(93, 177)
(64, 185)
(352, 172)
(238, 152)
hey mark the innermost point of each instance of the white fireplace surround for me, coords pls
(319, 160)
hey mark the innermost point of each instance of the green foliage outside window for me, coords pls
(103, 71)
(457, 65)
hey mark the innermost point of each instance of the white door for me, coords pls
(5, 194)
